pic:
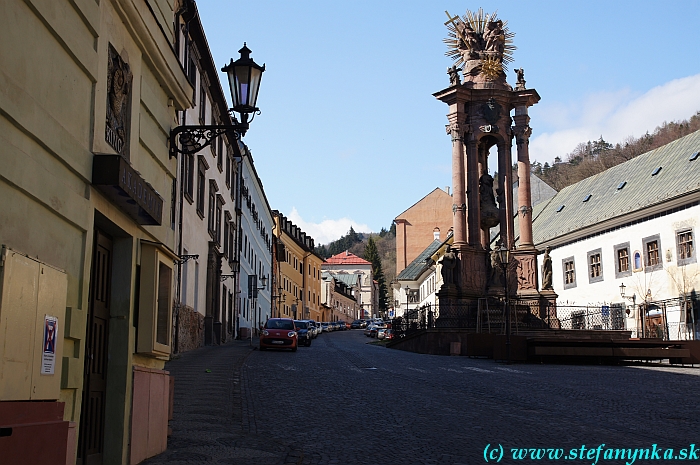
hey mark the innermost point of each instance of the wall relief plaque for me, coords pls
(119, 80)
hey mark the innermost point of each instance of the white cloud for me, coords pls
(327, 230)
(615, 116)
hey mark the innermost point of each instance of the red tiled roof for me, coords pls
(346, 258)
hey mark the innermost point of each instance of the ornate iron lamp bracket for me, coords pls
(185, 258)
(191, 139)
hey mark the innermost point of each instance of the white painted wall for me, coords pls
(256, 250)
(661, 283)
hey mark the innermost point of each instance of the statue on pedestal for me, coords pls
(487, 202)
(547, 270)
(448, 262)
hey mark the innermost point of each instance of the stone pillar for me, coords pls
(522, 134)
(459, 204)
(473, 200)
(505, 194)
(509, 192)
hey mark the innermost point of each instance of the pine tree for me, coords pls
(372, 255)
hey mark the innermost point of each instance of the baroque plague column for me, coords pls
(479, 118)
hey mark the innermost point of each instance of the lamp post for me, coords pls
(633, 298)
(504, 259)
(255, 289)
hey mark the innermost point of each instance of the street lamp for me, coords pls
(244, 77)
(504, 259)
(633, 298)
(405, 312)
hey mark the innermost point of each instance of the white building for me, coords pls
(205, 211)
(633, 224)
(255, 248)
(347, 262)
(418, 284)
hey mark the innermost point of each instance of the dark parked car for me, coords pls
(357, 324)
(279, 333)
(304, 333)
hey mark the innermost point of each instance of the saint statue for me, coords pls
(448, 262)
(494, 38)
(487, 202)
(547, 269)
(453, 71)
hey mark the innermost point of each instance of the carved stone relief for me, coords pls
(119, 85)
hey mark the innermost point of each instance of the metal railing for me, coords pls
(488, 315)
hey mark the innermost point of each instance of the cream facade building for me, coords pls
(340, 299)
(298, 272)
(89, 92)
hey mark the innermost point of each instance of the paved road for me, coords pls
(343, 401)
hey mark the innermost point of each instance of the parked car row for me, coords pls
(379, 330)
(285, 333)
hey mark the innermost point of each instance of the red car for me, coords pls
(279, 333)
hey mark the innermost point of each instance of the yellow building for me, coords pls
(297, 272)
(89, 92)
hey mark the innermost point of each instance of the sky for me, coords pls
(350, 135)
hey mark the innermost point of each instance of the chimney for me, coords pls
(436, 233)
(447, 189)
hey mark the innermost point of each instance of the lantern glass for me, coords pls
(244, 77)
(504, 254)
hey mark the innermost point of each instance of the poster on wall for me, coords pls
(48, 359)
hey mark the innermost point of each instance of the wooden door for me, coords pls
(92, 418)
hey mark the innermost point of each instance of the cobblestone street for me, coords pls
(343, 401)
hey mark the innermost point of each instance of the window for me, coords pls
(232, 241)
(219, 211)
(622, 260)
(595, 268)
(569, 273)
(228, 169)
(652, 246)
(201, 184)
(155, 301)
(653, 253)
(637, 260)
(202, 105)
(192, 75)
(212, 209)
(227, 218)
(684, 247)
(219, 152)
(189, 177)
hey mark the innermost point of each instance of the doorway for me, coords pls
(92, 416)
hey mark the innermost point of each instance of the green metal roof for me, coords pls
(621, 190)
(350, 279)
(414, 269)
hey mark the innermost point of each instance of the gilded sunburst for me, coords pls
(466, 37)
(491, 67)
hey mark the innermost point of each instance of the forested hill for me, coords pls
(594, 157)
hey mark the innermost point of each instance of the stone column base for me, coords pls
(548, 308)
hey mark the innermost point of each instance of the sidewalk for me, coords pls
(211, 418)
